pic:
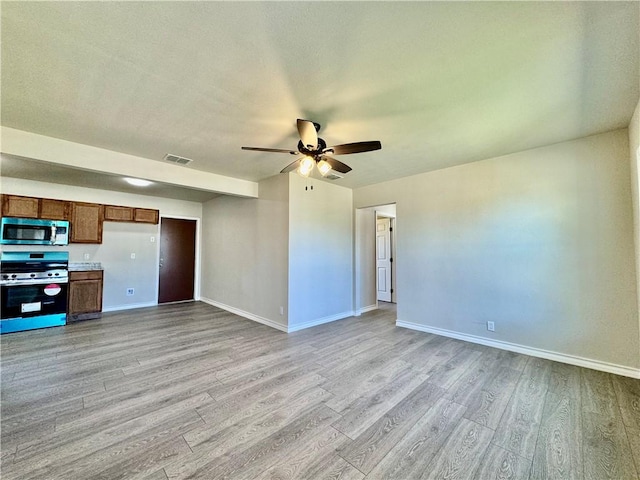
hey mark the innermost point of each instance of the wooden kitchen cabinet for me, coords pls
(86, 222)
(33, 207)
(18, 206)
(114, 213)
(53, 209)
(85, 295)
(86, 219)
(146, 215)
(118, 214)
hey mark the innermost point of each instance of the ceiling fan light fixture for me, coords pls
(324, 167)
(306, 166)
(304, 173)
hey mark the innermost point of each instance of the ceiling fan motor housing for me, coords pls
(312, 153)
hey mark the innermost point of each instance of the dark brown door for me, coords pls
(177, 260)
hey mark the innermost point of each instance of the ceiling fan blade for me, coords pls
(277, 150)
(337, 165)
(308, 134)
(357, 147)
(291, 167)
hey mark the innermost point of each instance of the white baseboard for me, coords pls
(130, 306)
(271, 323)
(366, 309)
(320, 321)
(247, 315)
(534, 352)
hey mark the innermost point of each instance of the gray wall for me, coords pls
(634, 157)
(245, 251)
(540, 242)
(290, 248)
(320, 251)
(365, 255)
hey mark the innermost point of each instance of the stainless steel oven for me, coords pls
(34, 290)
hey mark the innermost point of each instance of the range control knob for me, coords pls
(14, 275)
(50, 274)
(32, 275)
(5, 276)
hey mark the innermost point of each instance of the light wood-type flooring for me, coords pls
(191, 391)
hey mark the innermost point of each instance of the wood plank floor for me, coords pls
(191, 391)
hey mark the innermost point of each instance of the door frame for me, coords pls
(361, 275)
(196, 280)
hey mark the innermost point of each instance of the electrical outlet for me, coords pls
(153, 239)
(491, 326)
(130, 291)
(281, 310)
(86, 256)
(133, 256)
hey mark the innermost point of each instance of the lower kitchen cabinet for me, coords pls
(85, 295)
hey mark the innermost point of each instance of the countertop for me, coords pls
(83, 266)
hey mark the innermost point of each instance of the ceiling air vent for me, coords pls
(333, 176)
(176, 159)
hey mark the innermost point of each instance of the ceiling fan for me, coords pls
(314, 151)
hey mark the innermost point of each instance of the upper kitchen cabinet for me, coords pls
(146, 215)
(118, 214)
(86, 222)
(113, 213)
(33, 207)
(54, 209)
(17, 206)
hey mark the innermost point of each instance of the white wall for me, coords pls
(320, 252)
(245, 253)
(634, 159)
(540, 242)
(386, 210)
(365, 256)
(118, 242)
(291, 248)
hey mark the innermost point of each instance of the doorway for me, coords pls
(176, 278)
(370, 275)
(384, 260)
(386, 252)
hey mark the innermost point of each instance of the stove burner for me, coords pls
(25, 268)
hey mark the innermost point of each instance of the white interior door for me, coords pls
(383, 259)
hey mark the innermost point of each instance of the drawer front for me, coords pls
(85, 275)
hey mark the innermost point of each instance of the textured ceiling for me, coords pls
(438, 83)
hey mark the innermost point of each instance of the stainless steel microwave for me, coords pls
(31, 231)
